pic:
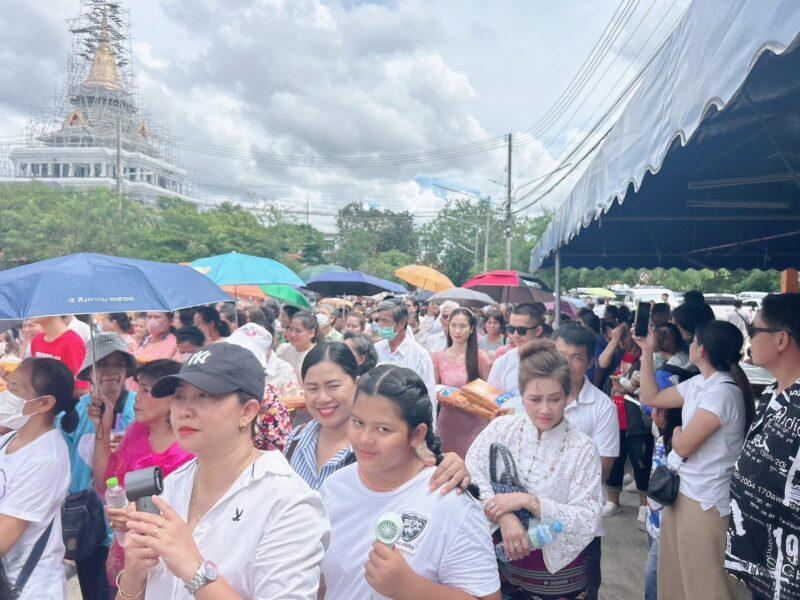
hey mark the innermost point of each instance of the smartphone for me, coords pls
(642, 323)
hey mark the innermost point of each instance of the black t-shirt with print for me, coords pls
(763, 546)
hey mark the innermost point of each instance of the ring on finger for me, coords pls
(161, 522)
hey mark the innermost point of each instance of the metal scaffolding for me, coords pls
(99, 105)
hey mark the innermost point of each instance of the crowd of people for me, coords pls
(286, 437)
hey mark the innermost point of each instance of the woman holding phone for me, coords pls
(717, 407)
(235, 522)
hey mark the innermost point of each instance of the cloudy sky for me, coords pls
(374, 83)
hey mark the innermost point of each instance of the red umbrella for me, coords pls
(511, 286)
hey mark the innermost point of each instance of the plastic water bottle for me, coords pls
(116, 498)
(539, 535)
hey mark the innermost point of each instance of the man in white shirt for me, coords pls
(399, 347)
(524, 325)
(438, 341)
(79, 327)
(593, 413)
(600, 308)
(737, 317)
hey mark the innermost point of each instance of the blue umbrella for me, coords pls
(354, 283)
(242, 269)
(94, 283)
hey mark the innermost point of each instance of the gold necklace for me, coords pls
(193, 500)
(542, 475)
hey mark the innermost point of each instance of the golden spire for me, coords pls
(103, 72)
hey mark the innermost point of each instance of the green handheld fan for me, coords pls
(389, 528)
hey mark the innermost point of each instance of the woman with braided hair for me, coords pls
(445, 550)
(717, 407)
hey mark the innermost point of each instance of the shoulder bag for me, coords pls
(83, 524)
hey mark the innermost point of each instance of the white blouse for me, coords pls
(562, 470)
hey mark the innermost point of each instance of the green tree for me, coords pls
(391, 230)
(448, 241)
(384, 265)
(38, 222)
(356, 248)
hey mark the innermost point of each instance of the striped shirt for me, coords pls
(304, 457)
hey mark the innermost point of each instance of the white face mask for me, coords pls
(3, 346)
(322, 319)
(11, 407)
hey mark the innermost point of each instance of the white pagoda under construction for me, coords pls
(96, 125)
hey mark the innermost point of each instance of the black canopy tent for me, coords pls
(728, 199)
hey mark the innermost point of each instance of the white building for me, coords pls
(96, 123)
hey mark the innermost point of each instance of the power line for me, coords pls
(625, 17)
(598, 52)
(602, 119)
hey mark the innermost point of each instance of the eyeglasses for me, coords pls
(519, 330)
(752, 330)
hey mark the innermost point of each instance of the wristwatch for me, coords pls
(206, 573)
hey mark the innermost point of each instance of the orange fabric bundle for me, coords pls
(294, 402)
(475, 398)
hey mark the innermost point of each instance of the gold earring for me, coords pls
(243, 427)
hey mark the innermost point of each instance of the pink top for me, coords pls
(454, 374)
(457, 428)
(135, 453)
(151, 349)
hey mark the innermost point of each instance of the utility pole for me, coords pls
(119, 156)
(477, 239)
(508, 208)
(486, 233)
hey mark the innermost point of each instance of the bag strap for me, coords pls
(8, 440)
(295, 441)
(38, 547)
(33, 559)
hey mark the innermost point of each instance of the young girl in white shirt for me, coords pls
(445, 550)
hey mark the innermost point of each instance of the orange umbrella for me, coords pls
(424, 277)
(244, 291)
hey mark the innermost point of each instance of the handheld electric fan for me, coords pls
(389, 528)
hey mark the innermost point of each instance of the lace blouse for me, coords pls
(562, 470)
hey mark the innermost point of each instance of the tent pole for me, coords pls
(558, 289)
(236, 304)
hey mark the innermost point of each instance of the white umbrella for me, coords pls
(464, 296)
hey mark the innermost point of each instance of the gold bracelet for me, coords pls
(125, 595)
(534, 505)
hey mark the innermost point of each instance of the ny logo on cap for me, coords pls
(199, 358)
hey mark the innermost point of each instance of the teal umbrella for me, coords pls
(286, 294)
(316, 270)
(242, 269)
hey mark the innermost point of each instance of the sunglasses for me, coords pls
(752, 330)
(519, 330)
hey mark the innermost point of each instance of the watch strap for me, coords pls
(199, 580)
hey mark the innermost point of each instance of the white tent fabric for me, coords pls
(703, 63)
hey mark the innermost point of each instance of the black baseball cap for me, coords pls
(219, 368)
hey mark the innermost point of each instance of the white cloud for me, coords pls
(332, 78)
(143, 52)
